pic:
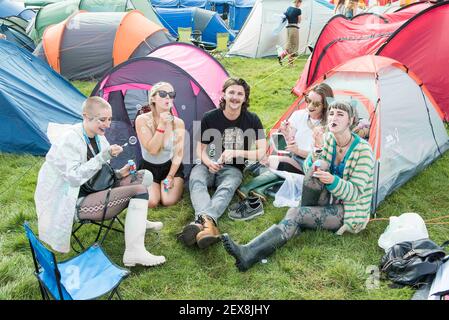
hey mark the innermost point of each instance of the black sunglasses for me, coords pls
(163, 94)
(314, 103)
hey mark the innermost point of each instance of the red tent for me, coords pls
(412, 36)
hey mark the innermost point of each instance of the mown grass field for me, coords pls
(315, 265)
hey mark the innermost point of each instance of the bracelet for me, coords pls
(160, 130)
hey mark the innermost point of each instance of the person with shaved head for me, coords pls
(63, 195)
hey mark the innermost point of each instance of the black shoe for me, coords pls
(189, 232)
(238, 205)
(280, 60)
(247, 210)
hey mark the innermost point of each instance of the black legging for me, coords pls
(315, 211)
(92, 207)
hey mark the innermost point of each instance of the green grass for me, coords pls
(315, 265)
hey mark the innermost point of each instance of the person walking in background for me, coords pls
(161, 137)
(293, 17)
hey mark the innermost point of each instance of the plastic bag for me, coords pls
(289, 194)
(407, 227)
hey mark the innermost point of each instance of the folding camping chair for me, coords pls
(222, 45)
(107, 225)
(185, 34)
(86, 276)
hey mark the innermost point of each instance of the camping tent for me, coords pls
(17, 23)
(219, 6)
(238, 12)
(59, 11)
(31, 96)
(258, 37)
(189, 58)
(14, 8)
(165, 3)
(406, 128)
(207, 22)
(16, 34)
(101, 40)
(196, 76)
(193, 3)
(179, 3)
(344, 39)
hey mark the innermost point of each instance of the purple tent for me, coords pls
(126, 88)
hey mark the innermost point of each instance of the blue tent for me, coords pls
(14, 35)
(219, 5)
(165, 3)
(238, 12)
(13, 8)
(208, 22)
(31, 96)
(193, 3)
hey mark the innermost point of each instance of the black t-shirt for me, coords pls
(220, 133)
(292, 15)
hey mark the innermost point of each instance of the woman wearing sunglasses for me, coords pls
(349, 179)
(161, 137)
(300, 128)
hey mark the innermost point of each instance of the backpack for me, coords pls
(410, 262)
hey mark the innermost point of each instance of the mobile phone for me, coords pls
(279, 143)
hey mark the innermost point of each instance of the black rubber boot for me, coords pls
(259, 248)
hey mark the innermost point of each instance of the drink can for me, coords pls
(165, 182)
(316, 165)
(132, 166)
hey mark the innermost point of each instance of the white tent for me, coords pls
(258, 37)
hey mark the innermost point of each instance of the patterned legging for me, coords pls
(315, 211)
(92, 206)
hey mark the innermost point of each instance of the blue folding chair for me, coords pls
(89, 275)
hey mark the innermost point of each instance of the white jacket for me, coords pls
(64, 171)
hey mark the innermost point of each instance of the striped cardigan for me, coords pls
(356, 187)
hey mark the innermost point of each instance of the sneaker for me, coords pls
(247, 211)
(233, 208)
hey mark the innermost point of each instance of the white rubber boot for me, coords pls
(147, 180)
(135, 228)
(154, 226)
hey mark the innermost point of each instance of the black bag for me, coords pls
(409, 262)
(102, 180)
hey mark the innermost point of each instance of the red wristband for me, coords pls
(160, 130)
